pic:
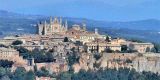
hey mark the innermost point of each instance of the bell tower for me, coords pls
(96, 31)
(66, 25)
(84, 26)
(60, 21)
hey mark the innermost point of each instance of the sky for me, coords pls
(106, 10)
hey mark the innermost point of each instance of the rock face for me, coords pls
(140, 62)
(147, 64)
(86, 62)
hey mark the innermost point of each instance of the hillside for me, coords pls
(148, 30)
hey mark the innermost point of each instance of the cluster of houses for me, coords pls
(56, 35)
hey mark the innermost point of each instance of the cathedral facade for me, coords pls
(55, 26)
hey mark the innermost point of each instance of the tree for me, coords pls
(5, 78)
(72, 59)
(6, 63)
(137, 40)
(43, 72)
(22, 49)
(42, 56)
(19, 73)
(96, 65)
(108, 50)
(128, 61)
(107, 39)
(157, 47)
(17, 42)
(124, 48)
(66, 39)
(43, 31)
(64, 76)
(148, 49)
(153, 50)
(50, 57)
(23, 52)
(35, 68)
(30, 75)
(78, 43)
(2, 71)
(107, 74)
(97, 56)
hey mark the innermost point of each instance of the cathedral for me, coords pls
(55, 26)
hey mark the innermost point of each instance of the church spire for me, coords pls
(56, 20)
(45, 23)
(96, 31)
(84, 26)
(44, 28)
(66, 25)
(60, 20)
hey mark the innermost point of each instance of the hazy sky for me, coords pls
(109, 10)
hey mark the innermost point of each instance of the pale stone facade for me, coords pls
(8, 53)
(45, 78)
(31, 47)
(13, 55)
(55, 26)
(102, 45)
(7, 40)
(141, 47)
(119, 41)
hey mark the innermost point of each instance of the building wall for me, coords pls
(141, 47)
(8, 53)
(53, 27)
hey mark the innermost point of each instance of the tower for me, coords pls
(96, 31)
(31, 62)
(55, 20)
(60, 21)
(39, 28)
(84, 26)
(66, 25)
(45, 28)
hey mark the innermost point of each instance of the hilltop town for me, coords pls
(59, 48)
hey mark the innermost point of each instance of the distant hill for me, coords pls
(149, 30)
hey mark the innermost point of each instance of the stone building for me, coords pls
(141, 47)
(79, 33)
(31, 47)
(101, 45)
(55, 26)
(8, 40)
(45, 78)
(119, 41)
(11, 54)
(8, 53)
